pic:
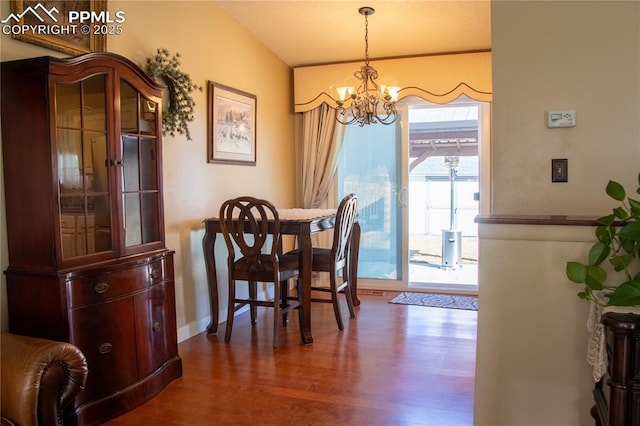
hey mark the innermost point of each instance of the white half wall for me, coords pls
(532, 336)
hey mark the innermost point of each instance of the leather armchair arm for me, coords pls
(39, 378)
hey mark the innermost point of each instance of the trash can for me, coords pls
(451, 248)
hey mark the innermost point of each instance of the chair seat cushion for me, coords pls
(288, 261)
(244, 270)
(321, 258)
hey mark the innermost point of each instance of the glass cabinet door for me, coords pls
(83, 172)
(139, 147)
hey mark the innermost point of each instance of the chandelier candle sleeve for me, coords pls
(370, 103)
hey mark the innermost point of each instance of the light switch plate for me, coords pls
(559, 170)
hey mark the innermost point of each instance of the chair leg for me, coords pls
(300, 307)
(334, 298)
(349, 296)
(253, 294)
(230, 309)
(347, 291)
(284, 292)
(276, 313)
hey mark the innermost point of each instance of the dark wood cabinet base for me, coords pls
(617, 394)
(131, 397)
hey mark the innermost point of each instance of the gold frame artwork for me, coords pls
(231, 125)
(84, 40)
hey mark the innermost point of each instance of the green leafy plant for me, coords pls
(618, 236)
(179, 112)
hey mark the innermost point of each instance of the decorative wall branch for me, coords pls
(179, 111)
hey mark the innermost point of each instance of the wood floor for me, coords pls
(392, 365)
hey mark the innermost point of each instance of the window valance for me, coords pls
(438, 79)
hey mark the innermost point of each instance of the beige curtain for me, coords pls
(322, 138)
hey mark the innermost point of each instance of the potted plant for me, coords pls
(618, 236)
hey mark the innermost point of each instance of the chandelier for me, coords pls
(370, 103)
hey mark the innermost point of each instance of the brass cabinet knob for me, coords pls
(101, 288)
(105, 348)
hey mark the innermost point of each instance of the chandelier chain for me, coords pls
(366, 38)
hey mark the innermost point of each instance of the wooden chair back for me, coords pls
(345, 218)
(246, 222)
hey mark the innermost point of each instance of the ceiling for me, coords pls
(304, 32)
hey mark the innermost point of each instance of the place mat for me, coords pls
(437, 300)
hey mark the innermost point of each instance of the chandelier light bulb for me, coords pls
(344, 92)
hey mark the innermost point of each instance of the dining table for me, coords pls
(302, 223)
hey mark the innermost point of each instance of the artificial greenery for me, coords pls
(618, 236)
(179, 112)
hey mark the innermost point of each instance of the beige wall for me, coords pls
(531, 366)
(213, 47)
(564, 55)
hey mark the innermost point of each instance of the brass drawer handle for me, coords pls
(101, 288)
(155, 274)
(156, 326)
(105, 348)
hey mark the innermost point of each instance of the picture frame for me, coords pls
(231, 125)
(84, 38)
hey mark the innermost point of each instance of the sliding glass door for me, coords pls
(419, 184)
(371, 166)
(444, 194)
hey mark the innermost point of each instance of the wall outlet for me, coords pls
(559, 170)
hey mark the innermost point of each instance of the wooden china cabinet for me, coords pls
(82, 152)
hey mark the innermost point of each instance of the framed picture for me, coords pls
(73, 38)
(231, 125)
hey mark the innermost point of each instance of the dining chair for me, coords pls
(335, 260)
(247, 223)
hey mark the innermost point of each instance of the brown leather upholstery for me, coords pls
(246, 223)
(39, 378)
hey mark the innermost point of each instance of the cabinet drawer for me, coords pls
(104, 333)
(67, 221)
(154, 327)
(101, 287)
(157, 272)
